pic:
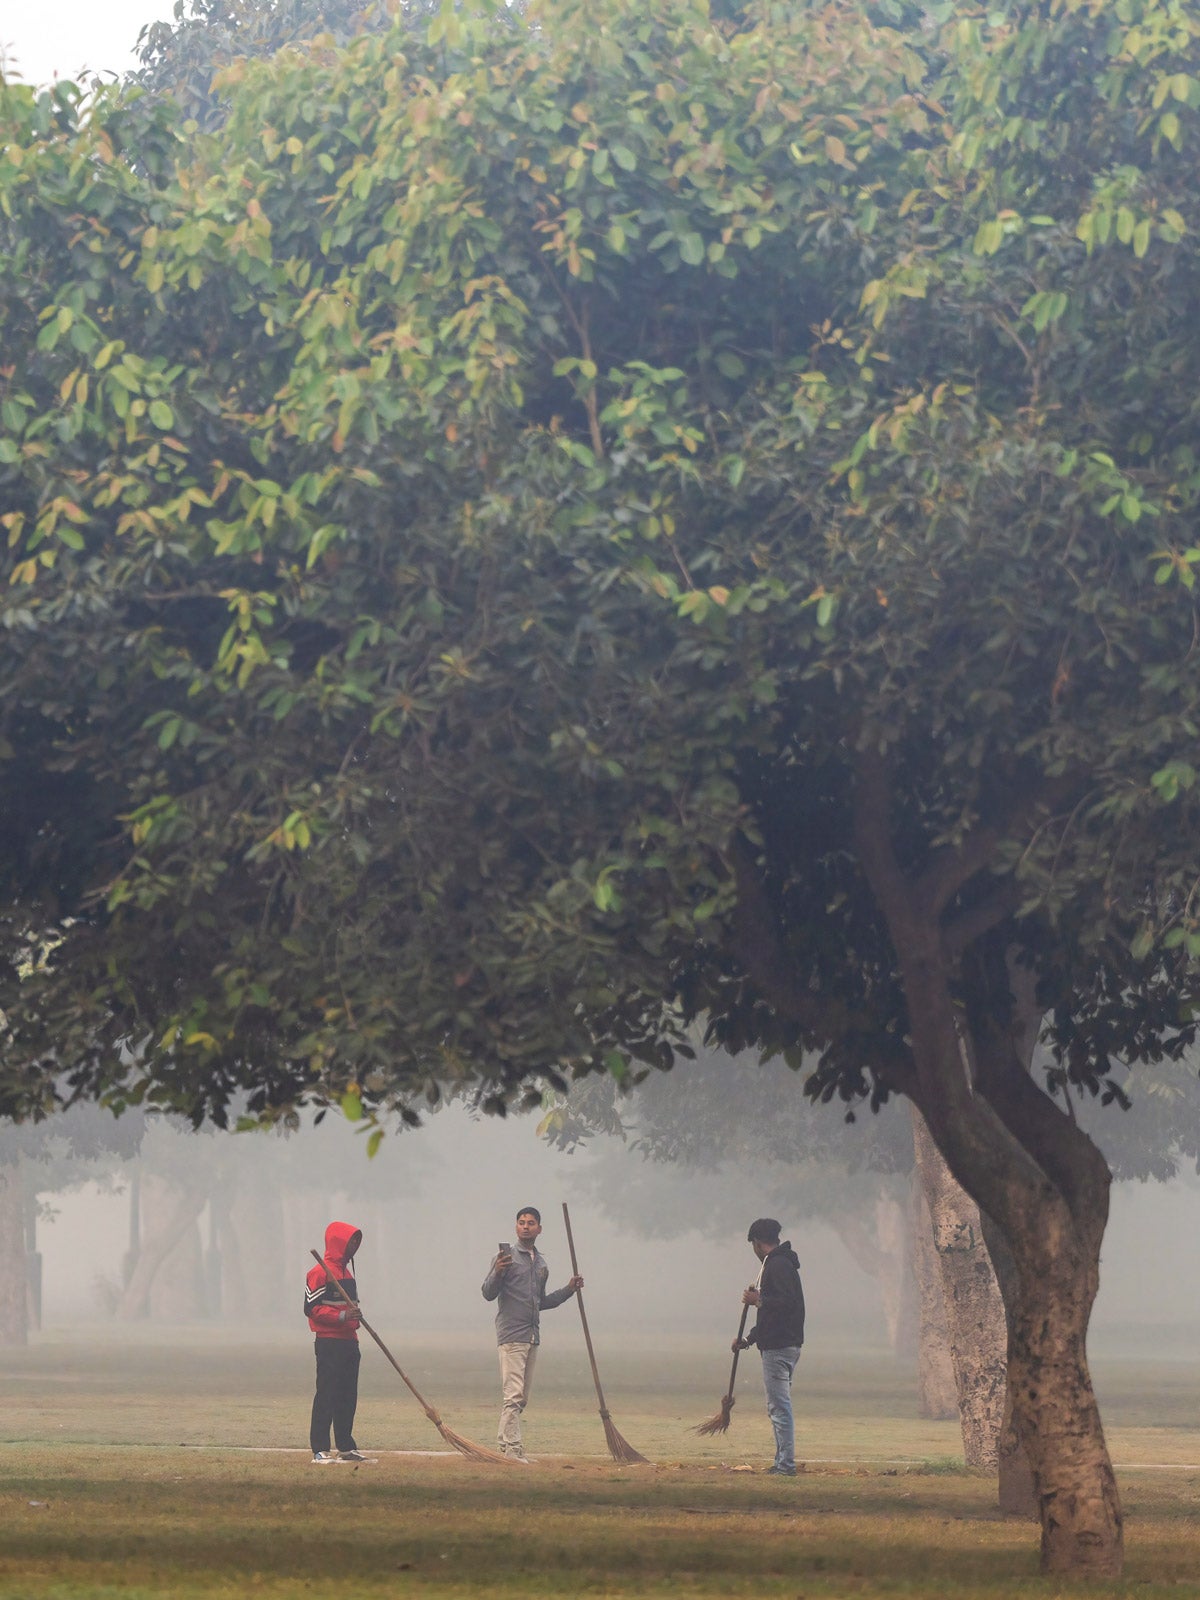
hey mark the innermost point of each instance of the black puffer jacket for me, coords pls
(780, 1321)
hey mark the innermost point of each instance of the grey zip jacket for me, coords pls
(522, 1295)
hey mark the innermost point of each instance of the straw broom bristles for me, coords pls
(465, 1447)
(619, 1448)
(719, 1422)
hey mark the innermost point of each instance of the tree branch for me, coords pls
(759, 946)
(961, 931)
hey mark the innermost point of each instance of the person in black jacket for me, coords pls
(778, 1332)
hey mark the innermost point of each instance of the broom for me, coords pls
(719, 1423)
(465, 1447)
(620, 1449)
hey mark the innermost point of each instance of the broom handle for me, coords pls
(337, 1283)
(587, 1338)
(737, 1353)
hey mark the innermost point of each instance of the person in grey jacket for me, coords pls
(517, 1279)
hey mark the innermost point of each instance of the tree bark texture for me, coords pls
(1038, 1177)
(1016, 1491)
(974, 1312)
(937, 1392)
(14, 1283)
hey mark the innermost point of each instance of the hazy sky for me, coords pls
(44, 39)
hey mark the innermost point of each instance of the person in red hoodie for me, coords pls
(335, 1325)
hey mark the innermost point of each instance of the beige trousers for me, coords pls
(516, 1381)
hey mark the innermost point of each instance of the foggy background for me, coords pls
(662, 1248)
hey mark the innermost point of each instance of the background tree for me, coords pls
(594, 519)
(180, 59)
(39, 1159)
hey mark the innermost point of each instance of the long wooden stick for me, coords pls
(332, 1277)
(737, 1353)
(618, 1447)
(587, 1338)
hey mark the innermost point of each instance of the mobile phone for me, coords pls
(505, 1249)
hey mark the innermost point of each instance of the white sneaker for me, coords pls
(323, 1458)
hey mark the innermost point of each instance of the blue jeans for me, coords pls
(778, 1367)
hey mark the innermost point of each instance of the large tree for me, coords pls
(581, 521)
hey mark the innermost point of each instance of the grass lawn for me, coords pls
(134, 1467)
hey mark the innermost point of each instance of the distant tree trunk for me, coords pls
(255, 1248)
(897, 1275)
(33, 1257)
(937, 1392)
(135, 1225)
(168, 1211)
(973, 1308)
(218, 1246)
(177, 1290)
(880, 1243)
(14, 1278)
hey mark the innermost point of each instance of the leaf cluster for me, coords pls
(468, 512)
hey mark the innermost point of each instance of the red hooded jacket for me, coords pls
(323, 1305)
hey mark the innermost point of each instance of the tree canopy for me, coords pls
(486, 492)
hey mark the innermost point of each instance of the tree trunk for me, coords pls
(897, 1275)
(1016, 1491)
(974, 1312)
(33, 1256)
(937, 1392)
(1027, 1165)
(880, 1242)
(14, 1280)
(169, 1213)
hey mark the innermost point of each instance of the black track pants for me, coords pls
(336, 1399)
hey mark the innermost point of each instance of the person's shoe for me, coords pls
(780, 1472)
(323, 1458)
(514, 1452)
(352, 1455)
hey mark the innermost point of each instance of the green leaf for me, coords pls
(616, 1065)
(352, 1106)
(624, 157)
(691, 249)
(161, 415)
